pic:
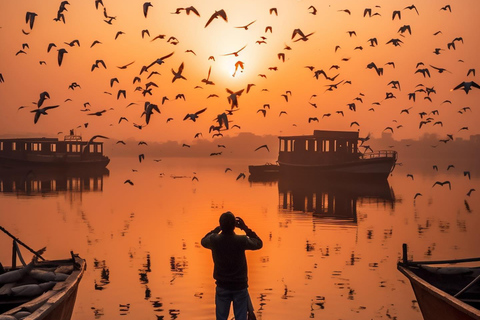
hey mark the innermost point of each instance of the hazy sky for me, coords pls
(340, 43)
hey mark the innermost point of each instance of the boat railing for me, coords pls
(379, 154)
(72, 137)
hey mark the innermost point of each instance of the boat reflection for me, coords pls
(50, 181)
(332, 199)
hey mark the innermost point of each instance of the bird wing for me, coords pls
(200, 111)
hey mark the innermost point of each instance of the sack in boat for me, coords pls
(6, 289)
(448, 270)
(30, 290)
(15, 275)
(44, 276)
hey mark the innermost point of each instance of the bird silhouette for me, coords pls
(467, 86)
(194, 116)
(442, 183)
(178, 74)
(221, 13)
(263, 146)
(235, 53)
(246, 26)
(40, 111)
(146, 5)
(241, 175)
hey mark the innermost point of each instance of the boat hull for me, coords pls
(58, 303)
(436, 304)
(378, 167)
(53, 162)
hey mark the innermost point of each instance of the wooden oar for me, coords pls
(23, 244)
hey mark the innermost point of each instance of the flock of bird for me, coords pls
(150, 105)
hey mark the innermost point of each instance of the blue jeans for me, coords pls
(223, 299)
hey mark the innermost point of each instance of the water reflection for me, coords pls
(49, 181)
(329, 198)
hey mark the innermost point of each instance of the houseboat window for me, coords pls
(91, 148)
(99, 148)
(334, 146)
(282, 145)
(35, 146)
(53, 147)
(1, 145)
(289, 146)
(326, 145)
(306, 145)
(315, 145)
(14, 146)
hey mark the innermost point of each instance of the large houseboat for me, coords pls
(332, 152)
(52, 152)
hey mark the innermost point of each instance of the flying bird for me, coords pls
(194, 116)
(178, 74)
(40, 111)
(443, 183)
(235, 53)
(467, 86)
(61, 53)
(262, 146)
(146, 5)
(241, 175)
(246, 26)
(221, 13)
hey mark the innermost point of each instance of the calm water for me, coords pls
(330, 249)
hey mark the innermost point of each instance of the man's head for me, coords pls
(227, 222)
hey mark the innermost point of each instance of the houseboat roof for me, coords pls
(326, 134)
(43, 139)
(73, 138)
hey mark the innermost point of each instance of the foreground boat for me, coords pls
(40, 290)
(51, 152)
(444, 291)
(332, 152)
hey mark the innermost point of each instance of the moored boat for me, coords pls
(444, 289)
(52, 152)
(332, 152)
(264, 169)
(40, 290)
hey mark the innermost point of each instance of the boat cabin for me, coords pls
(322, 147)
(51, 150)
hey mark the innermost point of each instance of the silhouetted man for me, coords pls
(230, 264)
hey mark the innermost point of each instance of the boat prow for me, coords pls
(446, 292)
(54, 304)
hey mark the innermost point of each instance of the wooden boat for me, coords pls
(264, 169)
(332, 152)
(51, 152)
(444, 291)
(40, 290)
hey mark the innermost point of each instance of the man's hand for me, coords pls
(240, 223)
(217, 230)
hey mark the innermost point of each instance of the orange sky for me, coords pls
(25, 78)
